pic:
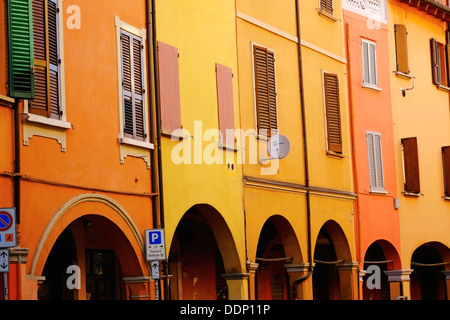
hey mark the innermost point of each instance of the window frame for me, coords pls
(411, 166)
(439, 56)
(372, 65)
(255, 100)
(375, 188)
(401, 49)
(129, 146)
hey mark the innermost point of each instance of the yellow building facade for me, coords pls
(421, 134)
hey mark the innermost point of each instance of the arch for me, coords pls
(428, 262)
(338, 239)
(75, 208)
(390, 253)
(203, 257)
(287, 235)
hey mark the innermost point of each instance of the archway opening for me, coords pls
(427, 280)
(272, 282)
(195, 261)
(102, 256)
(375, 256)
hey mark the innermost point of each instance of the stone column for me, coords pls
(348, 279)
(399, 283)
(138, 288)
(252, 267)
(18, 259)
(237, 285)
(361, 274)
(303, 288)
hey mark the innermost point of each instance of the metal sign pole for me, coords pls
(5, 286)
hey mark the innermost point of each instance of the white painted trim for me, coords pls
(288, 36)
(136, 143)
(47, 121)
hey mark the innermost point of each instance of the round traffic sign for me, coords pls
(6, 220)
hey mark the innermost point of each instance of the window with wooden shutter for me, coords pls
(169, 87)
(47, 100)
(326, 5)
(401, 48)
(411, 165)
(446, 169)
(20, 49)
(224, 79)
(375, 161)
(265, 90)
(439, 63)
(333, 112)
(369, 63)
(132, 86)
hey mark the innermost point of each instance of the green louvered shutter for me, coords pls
(20, 49)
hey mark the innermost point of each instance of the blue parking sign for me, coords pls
(155, 247)
(155, 237)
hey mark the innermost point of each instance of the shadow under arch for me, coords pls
(202, 252)
(331, 254)
(429, 261)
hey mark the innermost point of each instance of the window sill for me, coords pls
(443, 88)
(335, 154)
(446, 198)
(404, 75)
(47, 121)
(136, 143)
(411, 194)
(381, 192)
(327, 15)
(372, 87)
(227, 147)
(175, 135)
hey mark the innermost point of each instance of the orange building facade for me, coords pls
(377, 226)
(76, 149)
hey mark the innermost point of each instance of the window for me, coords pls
(266, 104)
(224, 79)
(132, 99)
(47, 99)
(20, 49)
(327, 6)
(401, 48)
(411, 165)
(169, 87)
(439, 63)
(374, 154)
(369, 63)
(333, 112)
(446, 167)
(132, 86)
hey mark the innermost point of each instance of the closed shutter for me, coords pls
(369, 62)
(435, 61)
(401, 47)
(375, 161)
(20, 49)
(446, 167)
(327, 5)
(132, 86)
(333, 113)
(224, 79)
(411, 165)
(265, 90)
(169, 87)
(47, 101)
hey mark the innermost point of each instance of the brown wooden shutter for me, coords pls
(333, 113)
(435, 62)
(46, 59)
(327, 5)
(169, 87)
(224, 79)
(442, 65)
(401, 47)
(266, 107)
(411, 164)
(446, 167)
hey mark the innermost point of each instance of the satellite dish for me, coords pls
(278, 147)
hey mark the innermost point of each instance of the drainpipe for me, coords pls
(305, 154)
(16, 186)
(155, 132)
